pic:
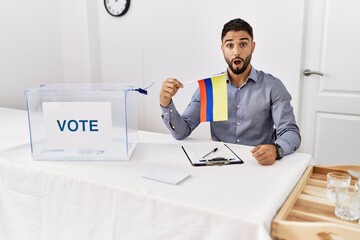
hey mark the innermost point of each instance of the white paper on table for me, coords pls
(166, 175)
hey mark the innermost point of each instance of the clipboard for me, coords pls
(205, 154)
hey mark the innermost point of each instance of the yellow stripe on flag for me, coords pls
(220, 98)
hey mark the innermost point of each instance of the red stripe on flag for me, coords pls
(202, 88)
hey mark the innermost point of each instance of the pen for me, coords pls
(212, 151)
(217, 159)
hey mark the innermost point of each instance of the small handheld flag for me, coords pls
(213, 99)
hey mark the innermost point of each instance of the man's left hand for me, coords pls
(265, 154)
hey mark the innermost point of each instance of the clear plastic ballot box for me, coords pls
(82, 121)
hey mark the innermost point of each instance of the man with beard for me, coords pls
(259, 109)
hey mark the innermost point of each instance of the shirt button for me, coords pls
(238, 140)
(170, 110)
(238, 123)
(238, 106)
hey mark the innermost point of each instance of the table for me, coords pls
(111, 200)
(14, 129)
(309, 214)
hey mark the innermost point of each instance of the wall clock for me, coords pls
(117, 8)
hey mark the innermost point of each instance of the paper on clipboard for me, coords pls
(210, 153)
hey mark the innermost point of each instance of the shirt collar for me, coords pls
(253, 75)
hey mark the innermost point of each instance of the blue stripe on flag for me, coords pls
(209, 100)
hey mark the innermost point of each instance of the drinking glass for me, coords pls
(347, 205)
(336, 181)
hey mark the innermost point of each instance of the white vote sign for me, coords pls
(77, 125)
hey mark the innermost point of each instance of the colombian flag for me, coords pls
(213, 99)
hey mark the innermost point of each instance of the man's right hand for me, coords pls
(168, 89)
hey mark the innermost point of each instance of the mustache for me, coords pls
(241, 59)
(238, 59)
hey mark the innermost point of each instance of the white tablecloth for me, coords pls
(14, 129)
(53, 200)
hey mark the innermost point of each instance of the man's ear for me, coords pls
(253, 47)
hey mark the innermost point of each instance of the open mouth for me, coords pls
(237, 62)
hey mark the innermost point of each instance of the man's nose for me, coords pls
(236, 51)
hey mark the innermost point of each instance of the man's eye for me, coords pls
(243, 44)
(229, 45)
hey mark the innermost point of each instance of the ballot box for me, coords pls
(82, 121)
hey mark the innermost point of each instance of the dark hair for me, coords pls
(237, 25)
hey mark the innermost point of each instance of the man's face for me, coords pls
(237, 48)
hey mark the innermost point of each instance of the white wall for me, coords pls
(77, 24)
(78, 41)
(44, 42)
(30, 48)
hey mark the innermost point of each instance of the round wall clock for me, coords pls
(117, 8)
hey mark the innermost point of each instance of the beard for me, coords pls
(238, 71)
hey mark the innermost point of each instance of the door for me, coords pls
(330, 111)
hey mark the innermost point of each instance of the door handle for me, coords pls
(308, 72)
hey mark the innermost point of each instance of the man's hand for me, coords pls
(168, 89)
(265, 154)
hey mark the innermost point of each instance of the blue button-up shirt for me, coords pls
(259, 112)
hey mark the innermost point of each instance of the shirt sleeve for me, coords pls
(287, 131)
(181, 126)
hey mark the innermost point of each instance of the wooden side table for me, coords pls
(308, 214)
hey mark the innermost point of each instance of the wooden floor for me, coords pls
(308, 214)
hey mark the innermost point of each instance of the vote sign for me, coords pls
(77, 125)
